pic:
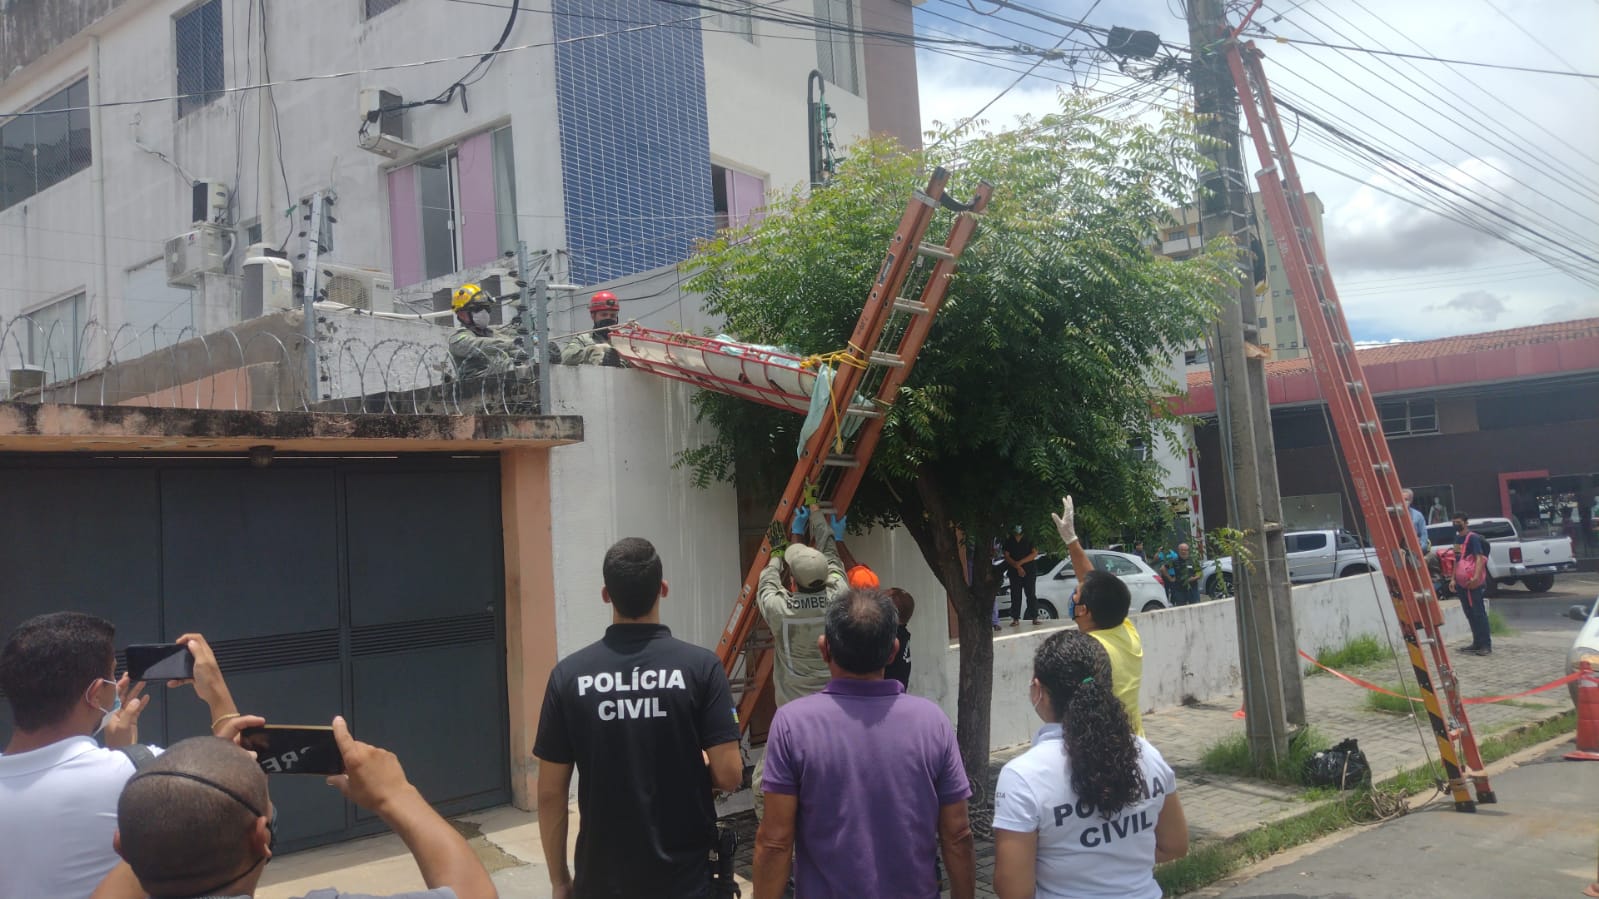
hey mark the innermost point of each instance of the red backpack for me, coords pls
(1471, 571)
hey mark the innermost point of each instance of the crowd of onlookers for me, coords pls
(862, 790)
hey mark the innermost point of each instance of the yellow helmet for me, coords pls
(464, 294)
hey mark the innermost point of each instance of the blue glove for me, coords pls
(802, 517)
(838, 527)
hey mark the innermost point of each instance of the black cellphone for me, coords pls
(284, 749)
(159, 661)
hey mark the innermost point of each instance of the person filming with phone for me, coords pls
(200, 821)
(58, 783)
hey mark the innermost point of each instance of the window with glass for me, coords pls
(835, 43)
(734, 19)
(54, 342)
(46, 145)
(1406, 418)
(455, 209)
(199, 56)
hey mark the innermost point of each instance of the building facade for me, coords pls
(609, 136)
(1278, 320)
(1503, 423)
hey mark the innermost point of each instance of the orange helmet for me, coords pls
(605, 302)
(861, 577)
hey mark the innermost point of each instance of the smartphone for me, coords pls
(284, 749)
(160, 661)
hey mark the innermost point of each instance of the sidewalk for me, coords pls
(1216, 807)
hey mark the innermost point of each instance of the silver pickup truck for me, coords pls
(1533, 562)
(1312, 556)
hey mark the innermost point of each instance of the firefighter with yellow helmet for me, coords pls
(478, 347)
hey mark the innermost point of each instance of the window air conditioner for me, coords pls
(203, 250)
(361, 288)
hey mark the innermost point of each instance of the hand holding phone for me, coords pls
(159, 661)
(284, 749)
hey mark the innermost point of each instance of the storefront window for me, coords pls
(1559, 506)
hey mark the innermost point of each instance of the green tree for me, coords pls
(1043, 374)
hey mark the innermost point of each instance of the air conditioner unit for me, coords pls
(209, 201)
(268, 283)
(382, 132)
(361, 288)
(199, 251)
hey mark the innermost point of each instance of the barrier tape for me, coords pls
(1472, 700)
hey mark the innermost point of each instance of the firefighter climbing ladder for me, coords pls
(879, 357)
(1354, 417)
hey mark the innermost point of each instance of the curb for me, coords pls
(1288, 856)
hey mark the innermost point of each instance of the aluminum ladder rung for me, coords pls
(887, 360)
(905, 304)
(841, 460)
(936, 251)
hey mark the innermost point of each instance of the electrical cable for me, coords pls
(277, 129)
(1568, 180)
(446, 96)
(1261, 32)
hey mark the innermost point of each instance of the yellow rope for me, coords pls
(851, 356)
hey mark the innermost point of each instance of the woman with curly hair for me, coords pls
(1091, 807)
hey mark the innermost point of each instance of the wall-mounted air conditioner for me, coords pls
(382, 123)
(209, 203)
(203, 250)
(361, 288)
(268, 283)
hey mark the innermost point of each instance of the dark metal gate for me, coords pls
(370, 588)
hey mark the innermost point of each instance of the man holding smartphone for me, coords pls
(199, 821)
(58, 785)
(649, 722)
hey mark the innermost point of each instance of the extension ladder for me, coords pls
(880, 355)
(1359, 429)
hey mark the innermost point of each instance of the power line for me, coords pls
(1261, 32)
(1535, 39)
(1413, 141)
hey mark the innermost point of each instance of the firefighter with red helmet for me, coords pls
(478, 347)
(594, 347)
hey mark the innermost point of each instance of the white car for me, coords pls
(1057, 584)
(1586, 647)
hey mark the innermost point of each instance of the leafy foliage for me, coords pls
(1049, 361)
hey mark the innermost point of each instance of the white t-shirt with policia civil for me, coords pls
(1081, 853)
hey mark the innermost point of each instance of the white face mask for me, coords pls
(481, 318)
(116, 705)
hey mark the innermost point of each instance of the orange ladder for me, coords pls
(1355, 419)
(880, 355)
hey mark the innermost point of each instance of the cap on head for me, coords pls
(465, 294)
(1017, 529)
(861, 577)
(808, 565)
(605, 305)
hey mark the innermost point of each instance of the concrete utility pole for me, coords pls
(1265, 627)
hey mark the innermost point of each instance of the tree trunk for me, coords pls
(976, 693)
(924, 515)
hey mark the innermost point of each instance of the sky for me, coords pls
(1523, 145)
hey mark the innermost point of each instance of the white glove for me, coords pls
(1065, 524)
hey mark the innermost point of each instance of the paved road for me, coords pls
(1539, 840)
(1547, 611)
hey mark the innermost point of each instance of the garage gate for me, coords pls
(370, 588)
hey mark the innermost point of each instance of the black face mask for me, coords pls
(272, 821)
(602, 328)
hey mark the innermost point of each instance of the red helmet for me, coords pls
(605, 301)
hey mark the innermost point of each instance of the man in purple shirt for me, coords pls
(863, 784)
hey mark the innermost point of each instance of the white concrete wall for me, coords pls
(364, 354)
(756, 93)
(1192, 652)
(620, 482)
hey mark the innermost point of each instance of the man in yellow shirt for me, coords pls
(1099, 609)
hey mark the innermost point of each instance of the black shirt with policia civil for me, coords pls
(633, 712)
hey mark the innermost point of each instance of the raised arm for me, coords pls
(1066, 527)
(375, 781)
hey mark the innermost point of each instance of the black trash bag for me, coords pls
(1343, 766)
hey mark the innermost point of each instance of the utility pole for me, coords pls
(1265, 629)
(534, 323)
